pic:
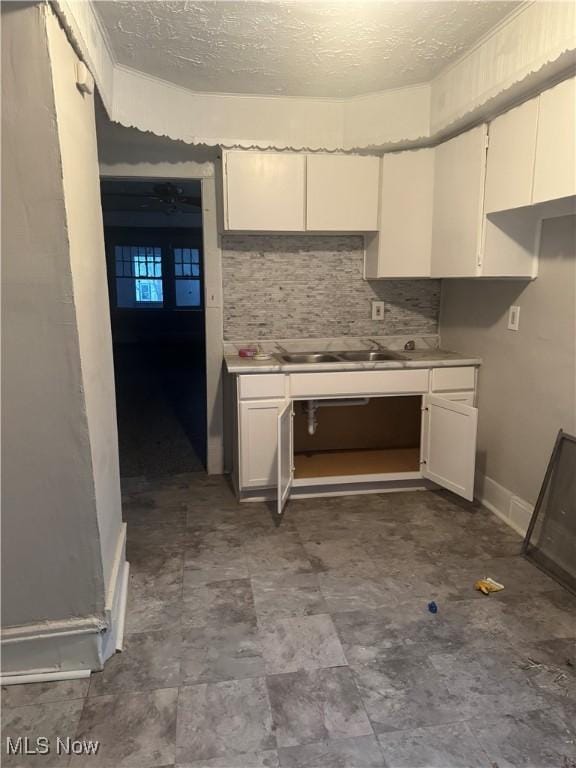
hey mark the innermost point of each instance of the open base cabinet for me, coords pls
(377, 436)
(377, 439)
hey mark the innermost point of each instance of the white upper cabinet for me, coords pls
(264, 191)
(342, 193)
(403, 245)
(511, 155)
(290, 192)
(459, 174)
(555, 170)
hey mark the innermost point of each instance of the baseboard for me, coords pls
(70, 645)
(339, 489)
(53, 646)
(511, 509)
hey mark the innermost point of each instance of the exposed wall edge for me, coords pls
(116, 591)
(511, 509)
(88, 37)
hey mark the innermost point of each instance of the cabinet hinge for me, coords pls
(487, 141)
(479, 259)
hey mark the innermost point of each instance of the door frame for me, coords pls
(213, 307)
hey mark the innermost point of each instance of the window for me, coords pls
(187, 277)
(163, 272)
(138, 276)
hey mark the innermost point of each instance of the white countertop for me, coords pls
(419, 358)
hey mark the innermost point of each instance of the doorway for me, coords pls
(154, 256)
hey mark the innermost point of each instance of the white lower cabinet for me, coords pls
(467, 398)
(448, 451)
(359, 438)
(284, 456)
(258, 437)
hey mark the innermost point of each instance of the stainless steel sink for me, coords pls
(366, 355)
(309, 357)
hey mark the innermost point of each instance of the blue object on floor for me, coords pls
(432, 607)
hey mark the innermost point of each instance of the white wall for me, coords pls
(80, 172)
(527, 383)
(400, 116)
(60, 494)
(51, 559)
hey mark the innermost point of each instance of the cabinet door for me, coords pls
(460, 397)
(404, 240)
(511, 154)
(449, 444)
(459, 174)
(555, 172)
(264, 191)
(284, 457)
(258, 442)
(342, 193)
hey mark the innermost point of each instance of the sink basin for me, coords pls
(309, 357)
(369, 356)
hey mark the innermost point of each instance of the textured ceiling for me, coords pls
(298, 48)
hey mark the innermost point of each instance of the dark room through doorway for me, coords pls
(153, 233)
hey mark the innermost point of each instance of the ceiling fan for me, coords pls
(167, 193)
(173, 196)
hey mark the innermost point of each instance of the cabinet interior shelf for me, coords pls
(338, 463)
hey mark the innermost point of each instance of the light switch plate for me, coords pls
(377, 310)
(514, 318)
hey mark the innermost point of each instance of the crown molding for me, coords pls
(271, 96)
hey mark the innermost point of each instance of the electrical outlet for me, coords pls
(514, 318)
(377, 310)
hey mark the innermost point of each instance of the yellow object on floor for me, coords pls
(488, 585)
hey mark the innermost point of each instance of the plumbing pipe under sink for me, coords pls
(311, 406)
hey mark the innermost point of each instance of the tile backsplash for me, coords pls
(311, 286)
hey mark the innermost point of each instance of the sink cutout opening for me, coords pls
(381, 437)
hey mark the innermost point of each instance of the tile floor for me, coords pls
(309, 645)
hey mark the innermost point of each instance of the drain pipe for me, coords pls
(311, 407)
